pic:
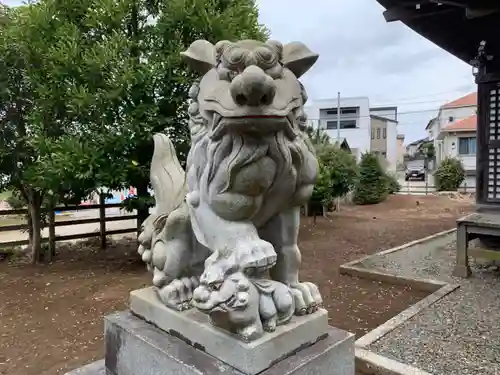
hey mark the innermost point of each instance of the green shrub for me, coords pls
(371, 186)
(321, 193)
(392, 184)
(342, 169)
(449, 175)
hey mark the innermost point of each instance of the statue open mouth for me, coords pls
(222, 306)
(259, 124)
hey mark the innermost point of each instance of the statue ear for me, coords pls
(200, 56)
(298, 58)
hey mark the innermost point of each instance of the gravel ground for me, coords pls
(460, 334)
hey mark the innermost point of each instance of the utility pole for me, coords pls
(338, 118)
(338, 137)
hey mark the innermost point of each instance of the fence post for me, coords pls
(102, 220)
(426, 187)
(52, 233)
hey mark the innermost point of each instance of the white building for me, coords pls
(365, 129)
(458, 140)
(449, 117)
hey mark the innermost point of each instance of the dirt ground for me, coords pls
(51, 315)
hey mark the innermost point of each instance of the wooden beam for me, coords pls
(405, 14)
(477, 13)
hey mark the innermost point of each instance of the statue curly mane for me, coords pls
(216, 161)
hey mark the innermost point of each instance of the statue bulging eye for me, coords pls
(226, 74)
(215, 286)
(275, 72)
(264, 54)
(235, 57)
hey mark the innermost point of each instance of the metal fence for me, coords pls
(410, 188)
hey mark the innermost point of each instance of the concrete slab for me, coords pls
(193, 327)
(95, 368)
(134, 347)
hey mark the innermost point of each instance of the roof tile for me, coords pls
(467, 124)
(464, 101)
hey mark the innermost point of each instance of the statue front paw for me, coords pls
(254, 255)
(178, 293)
(307, 298)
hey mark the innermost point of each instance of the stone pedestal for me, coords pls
(161, 341)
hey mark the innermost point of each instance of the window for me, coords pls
(384, 154)
(467, 146)
(378, 133)
(348, 111)
(344, 124)
(373, 133)
(451, 118)
(343, 111)
(384, 133)
(348, 124)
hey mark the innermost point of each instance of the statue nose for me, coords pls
(253, 87)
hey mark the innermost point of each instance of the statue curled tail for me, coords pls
(168, 180)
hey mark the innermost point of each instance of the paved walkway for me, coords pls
(458, 335)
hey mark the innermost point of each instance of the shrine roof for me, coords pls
(457, 26)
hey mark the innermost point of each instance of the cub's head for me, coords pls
(250, 86)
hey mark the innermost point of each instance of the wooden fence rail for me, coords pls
(52, 224)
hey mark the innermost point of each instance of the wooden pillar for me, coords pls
(52, 233)
(102, 220)
(462, 268)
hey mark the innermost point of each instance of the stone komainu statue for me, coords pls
(224, 234)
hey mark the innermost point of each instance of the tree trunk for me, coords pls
(142, 211)
(34, 212)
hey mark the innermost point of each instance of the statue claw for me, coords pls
(255, 255)
(178, 293)
(307, 298)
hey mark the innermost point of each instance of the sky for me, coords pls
(362, 55)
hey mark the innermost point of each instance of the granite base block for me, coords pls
(193, 327)
(135, 347)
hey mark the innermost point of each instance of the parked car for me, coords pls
(415, 172)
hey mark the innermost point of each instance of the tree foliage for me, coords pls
(371, 187)
(341, 168)
(318, 136)
(84, 85)
(392, 184)
(449, 175)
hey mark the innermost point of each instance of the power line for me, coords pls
(420, 96)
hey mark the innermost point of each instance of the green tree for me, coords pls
(85, 84)
(371, 187)
(318, 136)
(158, 100)
(18, 154)
(63, 70)
(392, 184)
(342, 170)
(449, 175)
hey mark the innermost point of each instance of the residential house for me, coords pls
(400, 149)
(413, 147)
(458, 140)
(450, 113)
(384, 140)
(356, 122)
